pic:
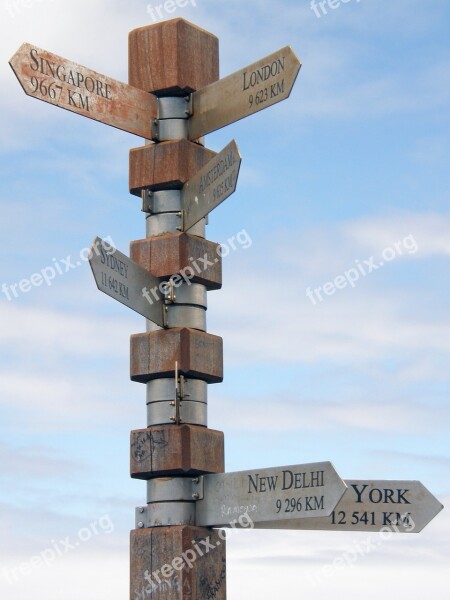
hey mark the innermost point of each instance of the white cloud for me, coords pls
(30, 330)
(62, 402)
(430, 460)
(262, 564)
(358, 326)
(364, 324)
(367, 413)
(370, 95)
(82, 573)
(36, 461)
(55, 367)
(431, 231)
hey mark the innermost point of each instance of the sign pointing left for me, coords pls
(124, 280)
(56, 80)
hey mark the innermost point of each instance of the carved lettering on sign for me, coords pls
(288, 481)
(63, 83)
(52, 80)
(371, 497)
(264, 75)
(220, 170)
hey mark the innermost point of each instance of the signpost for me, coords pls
(404, 506)
(210, 186)
(274, 496)
(253, 88)
(181, 459)
(127, 282)
(66, 84)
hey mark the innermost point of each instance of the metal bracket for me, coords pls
(169, 292)
(174, 489)
(161, 201)
(165, 514)
(163, 390)
(184, 315)
(172, 121)
(162, 401)
(182, 227)
(198, 487)
(170, 501)
(181, 214)
(169, 129)
(165, 309)
(147, 201)
(174, 107)
(179, 395)
(191, 413)
(168, 222)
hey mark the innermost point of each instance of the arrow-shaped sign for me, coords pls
(367, 505)
(56, 80)
(210, 186)
(66, 84)
(275, 495)
(127, 282)
(243, 93)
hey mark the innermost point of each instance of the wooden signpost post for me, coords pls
(174, 96)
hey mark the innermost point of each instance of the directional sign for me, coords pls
(243, 93)
(401, 506)
(126, 281)
(211, 186)
(56, 80)
(271, 495)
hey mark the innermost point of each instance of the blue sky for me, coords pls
(355, 162)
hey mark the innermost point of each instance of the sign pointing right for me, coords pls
(367, 505)
(275, 495)
(243, 93)
(211, 186)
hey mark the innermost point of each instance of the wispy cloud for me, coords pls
(35, 461)
(365, 414)
(364, 324)
(412, 457)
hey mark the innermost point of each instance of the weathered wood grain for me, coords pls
(168, 450)
(166, 165)
(168, 254)
(172, 57)
(66, 84)
(198, 354)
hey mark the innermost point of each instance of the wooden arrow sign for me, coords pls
(258, 86)
(210, 186)
(275, 495)
(56, 80)
(399, 506)
(127, 282)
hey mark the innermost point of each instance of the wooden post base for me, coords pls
(178, 563)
